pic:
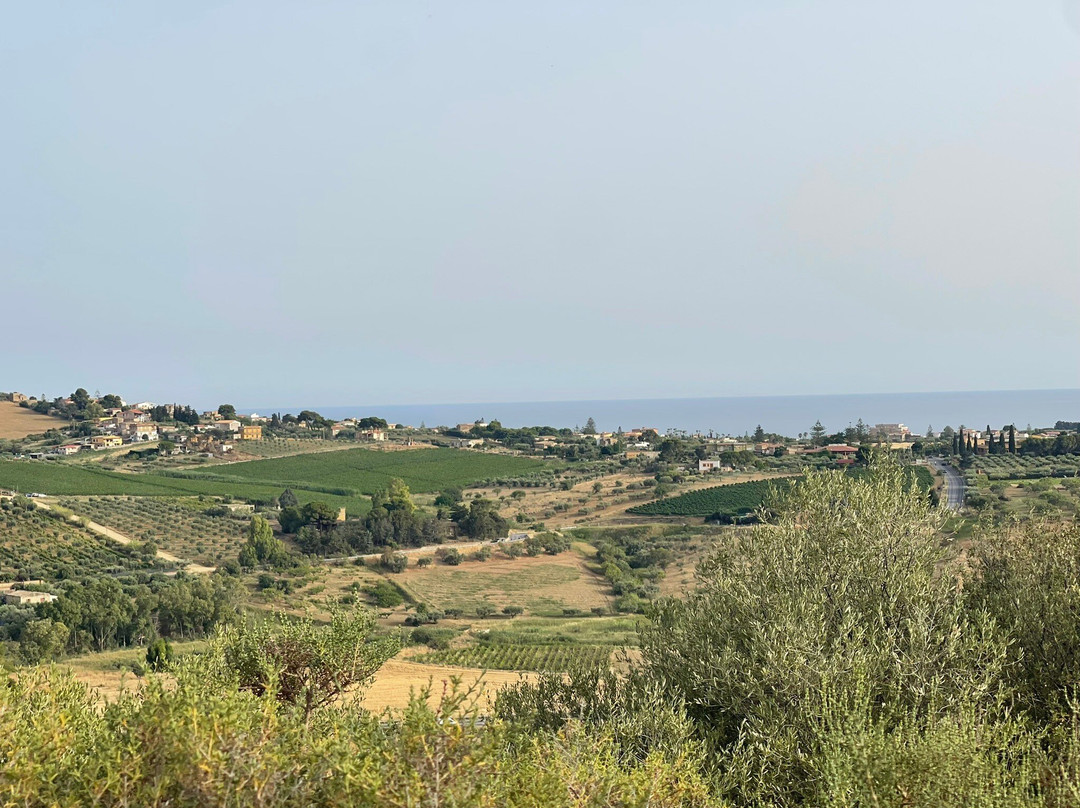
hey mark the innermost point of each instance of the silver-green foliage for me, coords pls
(842, 607)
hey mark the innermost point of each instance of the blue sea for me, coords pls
(786, 415)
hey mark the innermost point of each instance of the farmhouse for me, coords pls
(251, 433)
(24, 597)
(106, 441)
(229, 425)
(467, 443)
(67, 449)
(705, 466)
(18, 398)
(842, 452)
(371, 434)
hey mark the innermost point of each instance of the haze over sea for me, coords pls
(737, 415)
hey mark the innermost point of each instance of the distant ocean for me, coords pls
(786, 415)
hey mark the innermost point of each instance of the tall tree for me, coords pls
(817, 434)
(590, 427)
(1012, 439)
(759, 434)
(227, 411)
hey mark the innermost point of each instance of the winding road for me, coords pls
(954, 483)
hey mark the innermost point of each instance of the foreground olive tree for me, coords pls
(840, 611)
(301, 663)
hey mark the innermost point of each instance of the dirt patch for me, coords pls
(17, 422)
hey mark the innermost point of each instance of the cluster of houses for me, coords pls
(134, 425)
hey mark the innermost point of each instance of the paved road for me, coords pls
(954, 483)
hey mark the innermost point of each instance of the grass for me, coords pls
(542, 585)
(69, 479)
(366, 471)
(17, 422)
(589, 631)
(341, 478)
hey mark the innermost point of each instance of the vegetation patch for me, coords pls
(502, 657)
(36, 544)
(366, 471)
(190, 528)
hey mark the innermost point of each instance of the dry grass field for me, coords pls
(542, 585)
(109, 673)
(583, 507)
(399, 677)
(18, 422)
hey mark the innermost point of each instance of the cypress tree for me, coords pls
(1012, 439)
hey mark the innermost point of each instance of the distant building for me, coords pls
(371, 434)
(251, 433)
(229, 425)
(467, 443)
(891, 432)
(67, 449)
(140, 431)
(24, 597)
(842, 452)
(106, 441)
(706, 466)
(18, 398)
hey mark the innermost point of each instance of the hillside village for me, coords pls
(96, 423)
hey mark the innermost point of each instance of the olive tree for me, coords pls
(839, 611)
(301, 663)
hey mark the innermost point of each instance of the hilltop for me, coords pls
(17, 422)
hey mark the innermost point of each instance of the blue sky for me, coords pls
(342, 203)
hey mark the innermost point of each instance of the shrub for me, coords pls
(449, 555)
(840, 606)
(159, 655)
(385, 594)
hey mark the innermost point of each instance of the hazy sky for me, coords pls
(337, 203)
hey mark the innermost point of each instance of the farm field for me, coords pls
(740, 499)
(541, 585)
(35, 544)
(71, 479)
(365, 471)
(1019, 467)
(17, 422)
(180, 526)
(736, 499)
(612, 631)
(516, 657)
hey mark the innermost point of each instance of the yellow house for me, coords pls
(106, 441)
(251, 433)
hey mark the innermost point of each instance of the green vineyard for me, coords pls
(520, 657)
(737, 499)
(727, 502)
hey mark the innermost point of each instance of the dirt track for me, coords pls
(120, 538)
